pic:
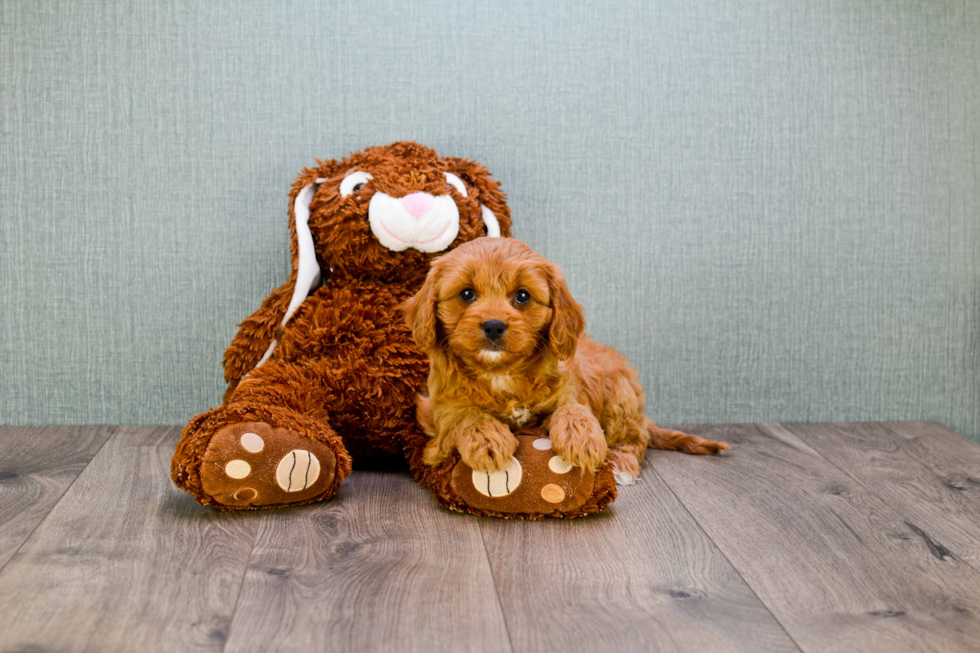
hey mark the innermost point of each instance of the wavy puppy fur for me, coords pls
(507, 351)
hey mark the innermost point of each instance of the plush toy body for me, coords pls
(326, 371)
(339, 385)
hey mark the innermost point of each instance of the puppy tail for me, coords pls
(680, 441)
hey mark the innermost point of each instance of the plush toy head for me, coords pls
(387, 211)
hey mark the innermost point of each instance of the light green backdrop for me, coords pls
(771, 207)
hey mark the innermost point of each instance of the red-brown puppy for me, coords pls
(506, 347)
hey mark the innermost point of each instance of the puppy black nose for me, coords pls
(494, 329)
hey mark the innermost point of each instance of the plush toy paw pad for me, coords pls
(246, 494)
(237, 469)
(297, 470)
(558, 465)
(500, 483)
(255, 464)
(552, 493)
(252, 442)
(535, 481)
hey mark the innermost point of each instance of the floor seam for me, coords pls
(112, 434)
(496, 590)
(241, 585)
(727, 559)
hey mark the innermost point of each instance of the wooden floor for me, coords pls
(830, 537)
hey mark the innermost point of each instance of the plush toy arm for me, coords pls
(255, 334)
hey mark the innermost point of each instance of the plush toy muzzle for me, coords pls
(426, 222)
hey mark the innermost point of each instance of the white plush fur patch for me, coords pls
(425, 222)
(490, 220)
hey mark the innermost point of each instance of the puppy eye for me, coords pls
(456, 183)
(355, 181)
(467, 295)
(522, 297)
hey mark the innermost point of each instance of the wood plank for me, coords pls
(126, 561)
(839, 568)
(381, 567)
(640, 576)
(926, 472)
(37, 465)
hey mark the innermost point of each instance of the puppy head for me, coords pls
(494, 302)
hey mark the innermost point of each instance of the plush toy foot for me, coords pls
(536, 484)
(255, 465)
(232, 463)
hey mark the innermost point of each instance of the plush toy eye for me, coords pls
(456, 183)
(467, 295)
(522, 297)
(353, 182)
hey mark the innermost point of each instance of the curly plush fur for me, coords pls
(336, 380)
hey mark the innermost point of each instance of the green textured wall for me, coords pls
(772, 207)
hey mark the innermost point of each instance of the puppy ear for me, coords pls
(420, 312)
(567, 319)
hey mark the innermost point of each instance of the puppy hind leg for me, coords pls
(627, 444)
(680, 441)
(626, 464)
(623, 422)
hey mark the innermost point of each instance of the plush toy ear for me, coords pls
(307, 269)
(420, 312)
(490, 220)
(493, 201)
(567, 320)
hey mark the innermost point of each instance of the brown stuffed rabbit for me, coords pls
(326, 371)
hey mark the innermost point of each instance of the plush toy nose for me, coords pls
(417, 204)
(494, 329)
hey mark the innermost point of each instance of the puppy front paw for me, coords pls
(486, 447)
(577, 437)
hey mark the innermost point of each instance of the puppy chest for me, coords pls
(519, 417)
